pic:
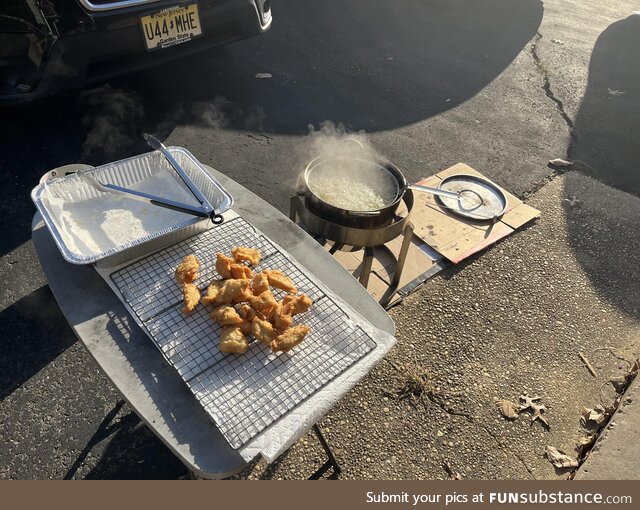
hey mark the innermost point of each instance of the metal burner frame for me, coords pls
(355, 239)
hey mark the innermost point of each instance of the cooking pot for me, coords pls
(369, 168)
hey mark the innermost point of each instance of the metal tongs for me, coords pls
(204, 210)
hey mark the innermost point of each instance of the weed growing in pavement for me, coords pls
(414, 383)
(417, 383)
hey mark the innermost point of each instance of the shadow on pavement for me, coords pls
(33, 140)
(34, 333)
(603, 223)
(604, 233)
(608, 122)
(131, 452)
(371, 65)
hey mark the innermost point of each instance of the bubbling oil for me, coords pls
(357, 192)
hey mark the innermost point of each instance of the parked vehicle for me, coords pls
(50, 45)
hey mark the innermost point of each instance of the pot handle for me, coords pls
(363, 213)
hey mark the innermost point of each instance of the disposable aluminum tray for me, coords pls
(131, 173)
(243, 394)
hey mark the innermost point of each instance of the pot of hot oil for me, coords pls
(358, 192)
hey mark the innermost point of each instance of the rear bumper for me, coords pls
(114, 45)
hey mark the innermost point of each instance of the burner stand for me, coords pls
(355, 239)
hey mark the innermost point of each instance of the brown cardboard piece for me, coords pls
(457, 238)
(417, 263)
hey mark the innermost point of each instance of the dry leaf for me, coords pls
(599, 416)
(559, 459)
(537, 414)
(619, 383)
(583, 448)
(538, 409)
(587, 441)
(508, 409)
(573, 201)
(560, 162)
(528, 402)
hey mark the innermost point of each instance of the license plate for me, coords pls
(171, 26)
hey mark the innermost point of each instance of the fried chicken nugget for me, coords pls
(259, 284)
(290, 338)
(232, 341)
(247, 314)
(251, 255)
(223, 265)
(226, 316)
(241, 272)
(264, 303)
(187, 270)
(212, 293)
(293, 305)
(279, 319)
(191, 296)
(245, 295)
(231, 290)
(263, 330)
(279, 280)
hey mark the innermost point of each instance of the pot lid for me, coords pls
(492, 205)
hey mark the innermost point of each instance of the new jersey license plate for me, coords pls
(171, 26)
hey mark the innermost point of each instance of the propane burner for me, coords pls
(350, 238)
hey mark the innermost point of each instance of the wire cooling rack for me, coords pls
(243, 394)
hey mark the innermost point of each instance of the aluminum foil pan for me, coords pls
(90, 226)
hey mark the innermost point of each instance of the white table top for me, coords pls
(131, 361)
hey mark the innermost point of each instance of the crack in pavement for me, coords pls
(551, 95)
(559, 106)
(499, 443)
(452, 412)
(472, 420)
(261, 137)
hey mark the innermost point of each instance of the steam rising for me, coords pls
(330, 139)
(347, 174)
(114, 119)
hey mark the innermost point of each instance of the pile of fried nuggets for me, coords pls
(244, 303)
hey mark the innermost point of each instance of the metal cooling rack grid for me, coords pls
(243, 394)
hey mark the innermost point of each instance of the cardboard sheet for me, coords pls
(421, 259)
(457, 238)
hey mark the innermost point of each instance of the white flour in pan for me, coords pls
(110, 220)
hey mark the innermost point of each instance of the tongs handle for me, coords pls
(158, 145)
(162, 202)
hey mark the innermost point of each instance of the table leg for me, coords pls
(402, 256)
(335, 248)
(331, 461)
